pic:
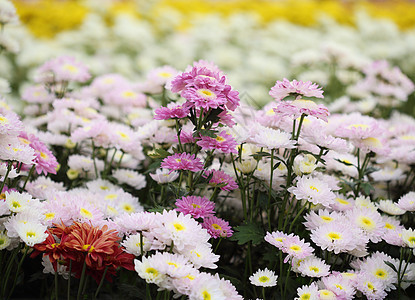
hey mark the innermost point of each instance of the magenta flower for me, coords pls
(197, 207)
(172, 111)
(223, 142)
(45, 160)
(221, 179)
(203, 96)
(217, 227)
(285, 88)
(182, 161)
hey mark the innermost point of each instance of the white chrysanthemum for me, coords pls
(264, 278)
(362, 201)
(99, 185)
(369, 221)
(393, 231)
(338, 236)
(408, 236)
(390, 207)
(273, 138)
(4, 241)
(305, 164)
(85, 165)
(313, 190)
(49, 269)
(172, 264)
(42, 186)
(18, 202)
(206, 286)
(31, 233)
(307, 292)
(164, 176)
(180, 229)
(313, 266)
(342, 203)
(340, 285)
(323, 216)
(7, 12)
(325, 294)
(371, 287)
(130, 177)
(407, 202)
(133, 242)
(377, 267)
(147, 270)
(202, 256)
(388, 174)
(17, 152)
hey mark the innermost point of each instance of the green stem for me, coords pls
(178, 131)
(263, 293)
(69, 280)
(9, 167)
(28, 176)
(286, 280)
(5, 279)
(81, 281)
(19, 266)
(270, 189)
(93, 158)
(148, 291)
(217, 245)
(296, 217)
(101, 282)
(56, 282)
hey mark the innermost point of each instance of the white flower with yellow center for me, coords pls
(264, 278)
(4, 240)
(390, 207)
(369, 221)
(147, 270)
(307, 292)
(31, 233)
(313, 266)
(18, 202)
(408, 236)
(313, 190)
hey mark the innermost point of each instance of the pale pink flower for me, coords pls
(313, 190)
(223, 142)
(63, 68)
(295, 88)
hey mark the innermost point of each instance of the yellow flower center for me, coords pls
(342, 201)
(88, 247)
(16, 204)
(206, 295)
(216, 226)
(110, 196)
(367, 223)
(49, 216)
(338, 286)
(128, 94)
(195, 205)
(70, 68)
(263, 279)
(128, 208)
(165, 74)
(389, 226)
(220, 139)
(306, 296)
(380, 273)
(334, 236)
(152, 272)
(370, 286)
(85, 213)
(295, 248)
(30, 234)
(314, 269)
(326, 219)
(312, 187)
(172, 264)
(178, 226)
(3, 119)
(44, 155)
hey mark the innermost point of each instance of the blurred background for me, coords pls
(254, 42)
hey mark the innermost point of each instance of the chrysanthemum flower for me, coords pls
(295, 88)
(296, 248)
(182, 161)
(338, 236)
(164, 176)
(147, 270)
(294, 109)
(371, 287)
(313, 190)
(264, 278)
(341, 286)
(369, 221)
(182, 230)
(277, 238)
(273, 139)
(5, 241)
(10, 124)
(222, 180)
(393, 231)
(223, 142)
(63, 68)
(133, 245)
(319, 218)
(31, 233)
(407, 202)
(377, 267)
(130, 177)
(201, 256)
(408, 236)
(18, 202)
(313, 266)
(45, 160)
(217, 227)
(172, 111)
(197, 207)
(307, 292)
(390, 207)
(172, 264)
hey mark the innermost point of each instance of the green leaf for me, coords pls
(206, 132)
(276, 165)
(345, 163)
(248, 232)
(367, 188)
(259, 155)
(391, 265)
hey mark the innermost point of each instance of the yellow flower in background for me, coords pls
(45, 18)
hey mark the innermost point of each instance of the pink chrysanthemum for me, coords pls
(45, 160)
(10, 123)
(222, 180)
(277, 238)
(198, 207)
(294, 109)
(407, 202)
(63, 68)
(296, 248)
(285, 88)
(37, 94)
(223, 142)
(172, 111)
(217, 227)
(202, 96)
(182, 161)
